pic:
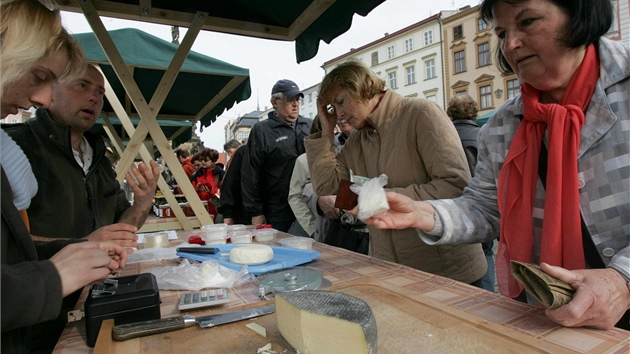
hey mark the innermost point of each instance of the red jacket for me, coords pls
(189, 168)
(208, 177)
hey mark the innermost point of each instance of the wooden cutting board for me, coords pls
(407, 323)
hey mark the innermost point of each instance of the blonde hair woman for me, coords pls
(35, 52)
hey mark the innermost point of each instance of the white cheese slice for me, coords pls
(251, 254)
(257, 328)
(316, 321)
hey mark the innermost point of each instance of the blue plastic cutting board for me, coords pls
(283, 257)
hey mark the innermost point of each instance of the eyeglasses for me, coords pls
(295, 99)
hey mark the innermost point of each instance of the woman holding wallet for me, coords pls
(552, 173)
(410, 140)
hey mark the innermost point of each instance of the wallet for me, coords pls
(551, 292)
(346, 199)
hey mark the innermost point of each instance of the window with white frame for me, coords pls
(513, 88)
(408, 45)
(430, 68)
(483, 54)
(481, 25)
(432, 98)
(392, 79)
(460, 61)
(428, 37)
(411, 74)
(390, 52)
(485, 97)
(461, 93)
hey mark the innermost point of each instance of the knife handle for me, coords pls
(145, 328)
(200, 250)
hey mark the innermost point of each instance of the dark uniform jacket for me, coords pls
(68, 203)
(231, 201)
(273, 145)
(31, 286)
(468, 131)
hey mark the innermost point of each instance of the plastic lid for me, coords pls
(296, 242)
(214, 227)
(265, 232)
(292, 279)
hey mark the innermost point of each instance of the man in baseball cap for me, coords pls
(288, 88)
(272, 147)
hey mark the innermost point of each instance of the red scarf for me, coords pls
(561, 243)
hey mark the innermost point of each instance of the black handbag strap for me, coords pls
(590, 251)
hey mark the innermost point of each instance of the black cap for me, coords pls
(288, 87)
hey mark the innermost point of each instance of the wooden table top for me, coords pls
(416, 312)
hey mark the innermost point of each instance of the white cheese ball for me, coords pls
(251, 254)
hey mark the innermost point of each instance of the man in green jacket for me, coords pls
(78, 194)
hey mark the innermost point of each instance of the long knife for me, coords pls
(145, 328)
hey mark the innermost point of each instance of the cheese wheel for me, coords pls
(251, 254)
(316, 321)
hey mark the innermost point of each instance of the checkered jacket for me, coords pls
(603, 163)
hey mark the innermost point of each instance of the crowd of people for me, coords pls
(547, 176)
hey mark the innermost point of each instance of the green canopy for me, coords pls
(200, 79)
(484, 118)
(304, 21)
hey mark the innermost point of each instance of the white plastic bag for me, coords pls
(372, 200)
(209, 274)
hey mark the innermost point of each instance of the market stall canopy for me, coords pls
(199, 81)
(304, 21)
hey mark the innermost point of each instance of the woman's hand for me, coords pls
(403, 213)
(327, 119)
(601, 297)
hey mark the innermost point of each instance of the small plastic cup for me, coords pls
(265, 235)
(215, 234)
(241, 237)
(156, 240)
(304, 243)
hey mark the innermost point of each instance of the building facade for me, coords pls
(470, 66)
(409, 60)
(308, 104)
(620, 29)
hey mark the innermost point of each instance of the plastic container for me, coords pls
(265, 235)
(236, 228)
(241, 237)
(303, 243)
(156, 240)
(215, 234)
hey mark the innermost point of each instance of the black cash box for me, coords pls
(125, 299)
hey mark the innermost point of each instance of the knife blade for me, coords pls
(145, 328)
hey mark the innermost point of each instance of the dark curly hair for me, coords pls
(209, 154)
(462, 107)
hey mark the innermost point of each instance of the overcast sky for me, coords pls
(269, 61)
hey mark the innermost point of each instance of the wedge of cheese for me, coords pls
(327, 322)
